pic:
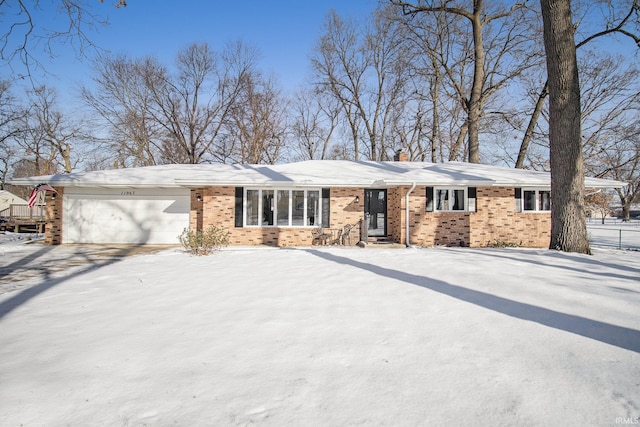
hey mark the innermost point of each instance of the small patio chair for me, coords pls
(319, 236)
(338, 238)
(346, 235)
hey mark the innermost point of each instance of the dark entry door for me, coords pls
(375, 208)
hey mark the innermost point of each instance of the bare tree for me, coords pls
(258, 121)
(610, 106)
(501, 51)
(56, 130)
(11, 113)
(123, 99)
(315, 118)
(621, 18)
(49, 141)
(568, 224)
(162, 117)
(620, 159)
(26, 29)
(600, 202)
(363, 70)
(195, 106)
(436, 72)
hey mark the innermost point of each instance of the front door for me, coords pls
(375, 209)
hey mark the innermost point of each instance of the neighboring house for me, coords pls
(634, 211)
(7, 199)
(422, 204)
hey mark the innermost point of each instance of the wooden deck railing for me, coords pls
(23, 213)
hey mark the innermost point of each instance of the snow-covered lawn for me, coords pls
(614, 233)
(319, 336)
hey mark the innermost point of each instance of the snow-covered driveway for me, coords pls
(326, 336)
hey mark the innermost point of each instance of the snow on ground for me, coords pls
(320, 336)
(614, 233)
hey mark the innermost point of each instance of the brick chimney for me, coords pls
(401, 156)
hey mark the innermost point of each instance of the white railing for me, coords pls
(23, 212)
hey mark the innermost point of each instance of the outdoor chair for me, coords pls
(319, 236)
(338, 238)
(346, 235)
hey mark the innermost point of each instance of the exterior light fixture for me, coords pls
(53, 196)
(199, 197)
(357, 199)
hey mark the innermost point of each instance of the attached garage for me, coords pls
(124, 215)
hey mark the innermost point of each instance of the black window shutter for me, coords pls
(326, 195)
(429, 207)
(239, 206)
(471, 195)
(518, 199)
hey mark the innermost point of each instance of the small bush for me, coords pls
(503, 244)
(203, 242)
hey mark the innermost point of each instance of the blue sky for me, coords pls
(284, 31)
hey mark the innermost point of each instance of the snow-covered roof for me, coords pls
(310, 173)
(7, 198)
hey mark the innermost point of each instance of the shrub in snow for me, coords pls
(203, 242)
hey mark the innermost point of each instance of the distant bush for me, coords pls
(203, 242)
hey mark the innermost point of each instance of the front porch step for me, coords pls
(381, 243)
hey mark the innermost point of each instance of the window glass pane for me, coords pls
(253, 196)
(297, 209)
(283, 208)
(325, 209)
(313, 206)
(442, 200)
(267, 207)
(529, 198)
(458, 200)
(544, 198)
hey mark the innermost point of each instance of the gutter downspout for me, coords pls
(407, 212)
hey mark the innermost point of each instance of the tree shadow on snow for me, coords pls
(618, 336)
(635, 272)
(26, 260)
(91, 259)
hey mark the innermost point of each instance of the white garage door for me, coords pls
(134, 215)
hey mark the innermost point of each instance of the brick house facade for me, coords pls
(495, 221)
(410, 203)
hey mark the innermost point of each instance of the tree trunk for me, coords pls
(435, 128)
(455, 150)
(626, 211)
(475, 100)
(568, 222)
(528, 135)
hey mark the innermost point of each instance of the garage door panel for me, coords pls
(132, 216)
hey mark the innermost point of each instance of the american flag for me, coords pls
(36, 190)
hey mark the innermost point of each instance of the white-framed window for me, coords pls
(282, 207)
(536, 200)
(450, 199)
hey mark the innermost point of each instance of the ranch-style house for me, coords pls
(305, 203)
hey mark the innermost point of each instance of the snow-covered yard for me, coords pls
(318, 336)
(614, 233)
